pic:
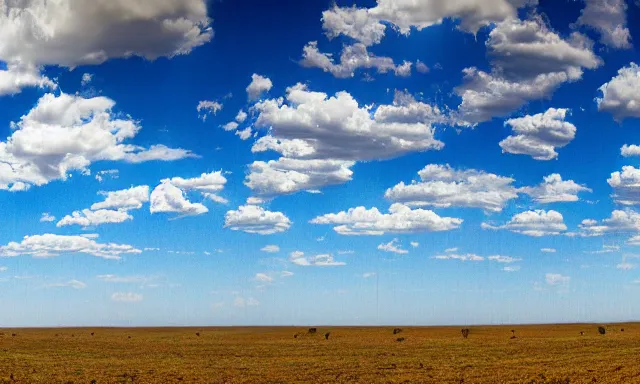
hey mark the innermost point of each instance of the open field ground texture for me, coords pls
(538, 354)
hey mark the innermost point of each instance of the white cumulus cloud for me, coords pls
(533, 223)
(255, 219)
(400, 219)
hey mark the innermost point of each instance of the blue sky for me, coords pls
(230, 163)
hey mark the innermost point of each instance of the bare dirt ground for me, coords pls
(540, 354)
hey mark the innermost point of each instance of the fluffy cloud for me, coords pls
(609, 18)
(414, 244)
(533, 223)
(352, 58)
(244, 134)
(400, 219)
(68, 133)
(270, 249)
(75, 284)
(621, 95)
(125, 199)
(320, 137)
(324, 260)
(630, 150)
(620, 221)
(71, 33)
(89, 218)
(126, 297)
(49, 245)
(626, 185)
(168, 198)
(393, 246)
(539, 135)
(553, 189)
(258, 86)
(241, 116)
(47, 218)
(17, 76)
(206, 107)
(443, 186)
(285, 175)
(424, 13)
(206, 182)
(255, 219)
(548, 250)
(511, 268)
(315, 126)
(453, 256)
(529, 61)
(556, 279)
(353, 22)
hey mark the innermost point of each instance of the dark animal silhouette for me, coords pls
(621, 329)
(326, 335)
(313, 330)
(13, 335)
(198, 334)
(465, 332)
(397, 330)
(92, 333)
(581, 333)
(601, 330)
(295, 336)
(400, 339)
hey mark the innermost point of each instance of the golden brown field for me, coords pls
(539, 354)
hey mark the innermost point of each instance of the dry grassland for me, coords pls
(540, 354)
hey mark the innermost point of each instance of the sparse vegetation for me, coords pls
(553, 354)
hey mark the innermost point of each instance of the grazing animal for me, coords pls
(601, 330)
(198, 334)
(295, 336)
(129, 337)
(313, 330)
(581, 333)
(326, 335)
(465, 332)
(400, 339)
(92, 333)
(621, 329)
(397, 330)
(13, 335)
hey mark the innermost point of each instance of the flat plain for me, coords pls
(539, 354)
